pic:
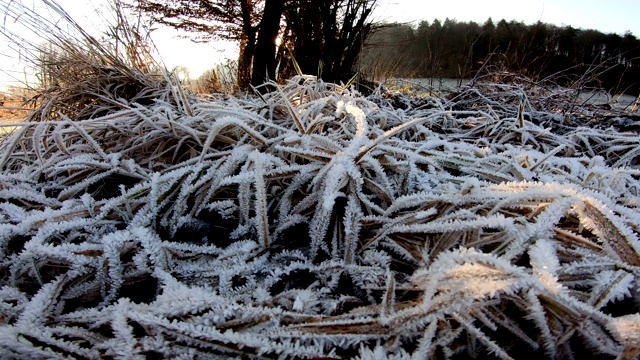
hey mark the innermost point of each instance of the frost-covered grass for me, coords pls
(315, 222)
(140, 221)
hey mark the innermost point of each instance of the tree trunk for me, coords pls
(264, 59)
(349, 41)
(329, 32)
(247, 46)
(247, 51)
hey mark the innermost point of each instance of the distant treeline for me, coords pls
(453, 49)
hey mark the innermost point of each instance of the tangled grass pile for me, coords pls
(140, 221)
(315, 222)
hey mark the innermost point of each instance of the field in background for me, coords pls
(12, 110)
(419, 87)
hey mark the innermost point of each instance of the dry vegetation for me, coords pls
(12, 110)
(11, 107)
(138, 220)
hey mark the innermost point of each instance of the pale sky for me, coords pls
(607, 16)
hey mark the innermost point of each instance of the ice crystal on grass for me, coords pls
(316, 222)
(352, 230)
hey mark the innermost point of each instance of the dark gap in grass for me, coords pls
(296, 279)
(140, 291)
(110, 187)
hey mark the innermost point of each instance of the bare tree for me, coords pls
(324, 33)
(235, 20)
(325, 37)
